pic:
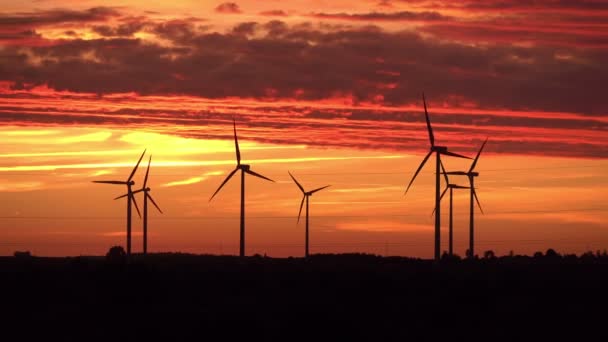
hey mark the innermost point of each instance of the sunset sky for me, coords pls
(329, 90)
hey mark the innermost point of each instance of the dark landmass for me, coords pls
(179, 297)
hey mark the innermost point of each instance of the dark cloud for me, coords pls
(61, 16)
(385, 16)
(318, 126)
(19, 35)
(533, 4)
(245, 28)
(228, 7)
(509, 5)
(365, 64)
(276, 28)
(127, 28)
(273, 61)
(274, 13)
(180, 31)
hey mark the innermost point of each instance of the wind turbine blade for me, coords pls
(147, 171)
(417, 171)
(301, 205)
(298, 184)
(119, 197)
(428, 122)
(445, 175)
(447, 153)
(135, 203)
(459, 186)
(224, 182)
(319, 189)
(440, 198)
(258, 175)
(477, 157)
(443, 194)
(236, 144)
(111, 182)
(477, 200)
(458, 173)
(152, 200)
(136, 165)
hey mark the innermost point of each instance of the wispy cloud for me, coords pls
(120, 233)
(382, 226)
(192, 180)
(367, 190)
(18, 186)
(181, 163)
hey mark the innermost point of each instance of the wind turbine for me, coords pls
(129, 183)
(451, 187)
(244, 169)
(471, 174)
(306, 196)
(438, 150)
(146, 191)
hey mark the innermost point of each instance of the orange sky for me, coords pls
(331, 94)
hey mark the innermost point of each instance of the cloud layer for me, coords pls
(530, 80)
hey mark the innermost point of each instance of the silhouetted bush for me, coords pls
(24, 254)
(489, 255)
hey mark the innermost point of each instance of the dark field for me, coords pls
(177, 297)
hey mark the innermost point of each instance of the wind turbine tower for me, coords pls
(438, 150)
(146, 190)
(306, 196)
(244, 168)
(131, 199)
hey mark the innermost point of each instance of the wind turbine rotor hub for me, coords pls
(473, 174)
(131, 183)
(245, 167)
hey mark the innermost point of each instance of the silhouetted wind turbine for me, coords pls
(146, 191)
(306, 196)
(471, 175)
(244, 169)
(451, 187)
(438, 150)
(129, 183)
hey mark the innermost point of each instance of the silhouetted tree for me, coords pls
(587, 256)
(538, 254)
(489, 254)
(116, 255)
(551, 253)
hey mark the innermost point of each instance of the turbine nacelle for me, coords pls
(439, 149)
(244, 167)
(473, 174)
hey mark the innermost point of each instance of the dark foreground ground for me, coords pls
(178, 297)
